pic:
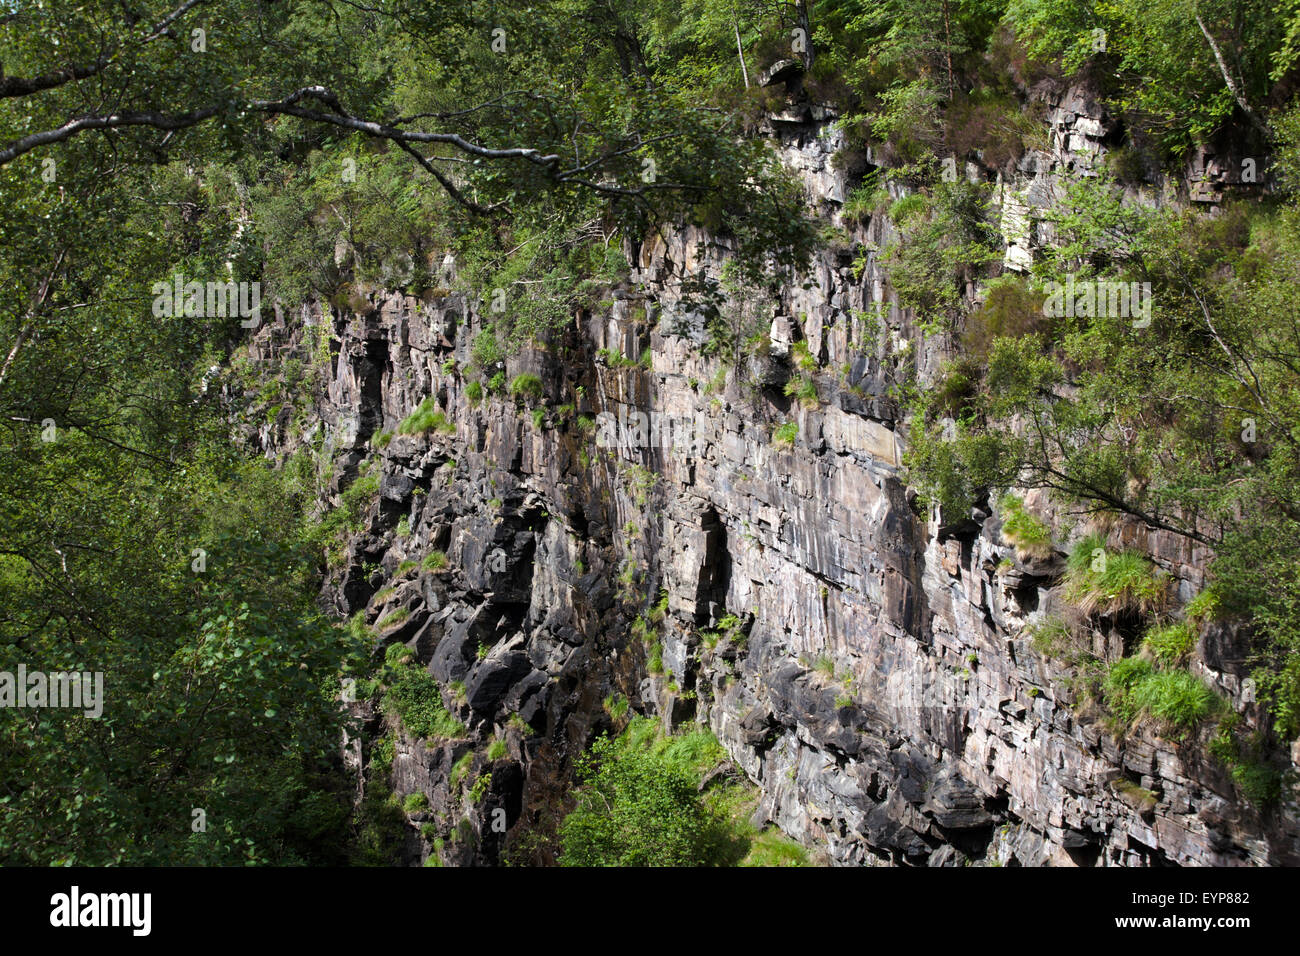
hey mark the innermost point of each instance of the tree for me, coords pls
(1188, 423)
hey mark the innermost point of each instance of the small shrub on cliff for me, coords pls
(639, 803)
(1050, 636)
(659, 609)
(414, 698)
(905, 207)
(426, 417)
(803, 357)
(526, 385)
(953, 393)
(1102, 581)
(381, 829)
(435, 561)
(474, 392)
(381, 757)
(866, 200)
(804, 389)
(1204, 607)
(783, 436)
(415, 803)
(481, 787)
(1027, 533)
(1011, 309)
(616, 705)
(460, 769)
(348, 517)
(947, 241)
(486, 350)
(1255, 770)
(1175, 698)
(1170, 644)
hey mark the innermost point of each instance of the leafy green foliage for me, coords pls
(427, 417)
(1026, 532)
(947, 241)
(1188, 426)
(1256, 768)
(616, 706)
(1170, 644)
(638, 803)
(347, 518)
(526, 385)
(804, 390)
(414, 698)
(222, 682)
(1050, 636)
(1161, 68)
(415, 803)
(220, 685)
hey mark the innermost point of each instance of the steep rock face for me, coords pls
(863, 662)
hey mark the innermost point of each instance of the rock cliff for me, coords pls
(863, 661)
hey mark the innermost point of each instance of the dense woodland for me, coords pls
(326, 148)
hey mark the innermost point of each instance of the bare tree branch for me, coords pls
(108, 121)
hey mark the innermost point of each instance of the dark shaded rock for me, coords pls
(458, 649)
(492, 677)
(395, 486)
(528, 697)
(757, 728)
(782, 71)
(955, 804)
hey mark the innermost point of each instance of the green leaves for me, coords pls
(1187, 425)
(948, 239)
(220, 686)
(639, 804)
(1160, 69)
